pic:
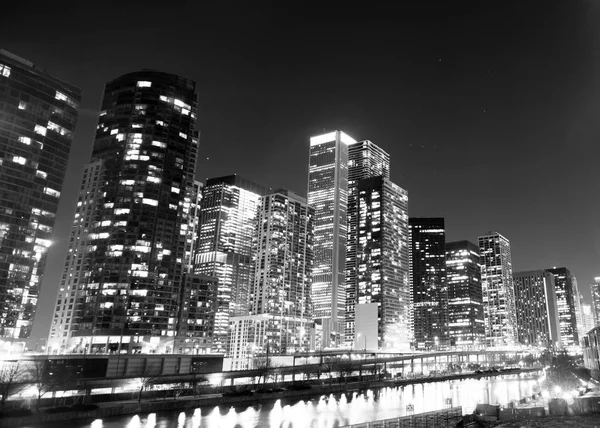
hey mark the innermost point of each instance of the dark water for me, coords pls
(335, 410)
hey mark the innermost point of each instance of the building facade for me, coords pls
(465, 296)
(499, 311)
(328, 195)
(382, 267)
(365, 160)
(566, 292)
(122, 282)
(537, 309)
(37, 118)
(595, 292)
(280, 320)
(428, 282)
(225, 250)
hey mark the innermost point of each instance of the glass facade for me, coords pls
(595, 292)
(122, 282)
(465, 299)
(365, 159)
(382, 255)
(428, 282)
(536, 307)
(328, 195)
(499, 312)
(37, 119)
(225, 247)
(566, 290)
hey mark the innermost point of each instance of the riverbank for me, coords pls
(575, 421)
(209, 402)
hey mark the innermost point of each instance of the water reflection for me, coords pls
(334, 410)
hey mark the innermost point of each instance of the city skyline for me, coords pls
(428, 114)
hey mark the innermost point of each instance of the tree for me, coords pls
(39, 374)
(11, 373)
(264, 368)
(147, 378)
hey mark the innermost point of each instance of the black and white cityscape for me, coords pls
(332, 251)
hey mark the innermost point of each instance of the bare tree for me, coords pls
(264, 367)
(147, 378)
(344, 366)
(38, 373)
(11, 373)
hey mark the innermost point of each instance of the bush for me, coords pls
(59, 409)
(298, 387)
(16, 413)
(84, 407)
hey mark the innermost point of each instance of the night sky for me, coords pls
(488, 109)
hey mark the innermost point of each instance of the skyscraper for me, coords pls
(595, 292)
(122, 282)
(328, 195)
(280, 303)
(465, 298)
(365, 160)
(382, 292)
(37, 118)
(566, 290)
(428, 282)
(225, 250)
(536, 307)
(498, 291)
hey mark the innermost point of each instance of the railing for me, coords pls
(447, 418)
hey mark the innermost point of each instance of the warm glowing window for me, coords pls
(25, 140)
(144, 84)
(4, 70)
(40, 129)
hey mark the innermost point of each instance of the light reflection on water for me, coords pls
(337, 410)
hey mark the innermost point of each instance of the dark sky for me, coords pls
(488, 109)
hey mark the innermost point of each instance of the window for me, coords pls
(4, 70)
(144, 84)
(40, 130)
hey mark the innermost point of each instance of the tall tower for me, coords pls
(536, 308)
(280, 320)
(382, 293)
(225, 250)
(328, 195)
(121, 286)
(365, 160)
(595, 291)
(498, 292)
(465, 299)
(566, 292)
(428, 282)
(37, 118)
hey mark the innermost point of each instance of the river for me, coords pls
(337, 410)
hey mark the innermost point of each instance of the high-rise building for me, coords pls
(587, 320)
(595, 292)
(280, 318)
(365, 160)
(465, 298)
(537, 310)
(328, 195)
(123, 276)
(225, 250)
(37, 119)
(382, 292)
(428, 282)
(499, 312)
(566, 290)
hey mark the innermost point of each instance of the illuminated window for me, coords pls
(4, 70)
(144, 84)
(57, 128)
(119, 211)
(114, 131)
(62, 97)
(25, 140)
(148, 201)
(22, 105)
(40, 129)
(175, 190)
(182, 135)
(51, 192)
(160, 122)
(19, 159)
(159, 144)
(41, 174)
(154, 180)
